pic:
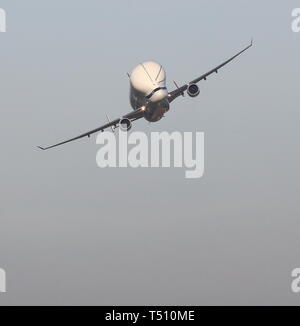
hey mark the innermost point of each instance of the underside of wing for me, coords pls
(134, 115)
(180, 90)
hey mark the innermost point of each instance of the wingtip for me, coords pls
(252, 41)
(42, 148)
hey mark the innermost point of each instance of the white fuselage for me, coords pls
(148, 90)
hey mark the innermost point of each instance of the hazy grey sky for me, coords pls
(72, 233)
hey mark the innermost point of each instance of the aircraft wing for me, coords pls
(134, 115)
(180, 90)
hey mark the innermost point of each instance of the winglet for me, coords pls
(252, 41)
(42, 148)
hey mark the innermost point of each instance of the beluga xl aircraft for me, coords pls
(149, 96)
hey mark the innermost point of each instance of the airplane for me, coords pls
(149, 97)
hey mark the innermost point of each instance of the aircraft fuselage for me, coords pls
(148, 90)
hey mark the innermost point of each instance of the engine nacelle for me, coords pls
(125, 124)
(193, 90)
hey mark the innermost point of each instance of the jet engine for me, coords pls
(125, 124)
(193, 90)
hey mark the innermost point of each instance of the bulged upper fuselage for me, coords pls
(148, 90)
